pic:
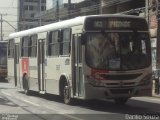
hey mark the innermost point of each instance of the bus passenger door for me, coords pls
(40, 61)
(77, 68)
(16, 66)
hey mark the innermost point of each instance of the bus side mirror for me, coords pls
(83, 39)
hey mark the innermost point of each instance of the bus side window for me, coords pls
(53, 45)
(33, 46)
(25, 46)
(11, 48)
(65, 43)
(49, 37)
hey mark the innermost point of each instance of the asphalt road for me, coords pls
(15, 105)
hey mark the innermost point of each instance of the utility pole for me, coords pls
(101, 6)
(69, 8)
(40, 20)
(2, 25)
(57, 10)
(147, 10)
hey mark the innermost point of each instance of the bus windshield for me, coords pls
(118, 50)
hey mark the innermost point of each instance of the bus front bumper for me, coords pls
(93, 92)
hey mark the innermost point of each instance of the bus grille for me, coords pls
(121, 91)
(117, 84)
(120, 77)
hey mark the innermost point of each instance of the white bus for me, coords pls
(89, 57)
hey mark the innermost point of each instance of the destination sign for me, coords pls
(115, 24)
(119, 24)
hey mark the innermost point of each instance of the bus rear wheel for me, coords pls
(120, 101)
(65, 91)
(66, 95)
(25, 85)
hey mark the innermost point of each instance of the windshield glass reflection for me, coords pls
(118, 51)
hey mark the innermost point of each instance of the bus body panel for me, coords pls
(33, 74)
(10, 68)
(55, 67)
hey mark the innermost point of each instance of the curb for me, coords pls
(157, 96)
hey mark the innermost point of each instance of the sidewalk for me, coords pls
(156, 95)
(153, 91)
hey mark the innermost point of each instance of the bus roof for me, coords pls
(49, 27)
(63, 24)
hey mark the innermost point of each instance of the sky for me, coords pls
(8, 7)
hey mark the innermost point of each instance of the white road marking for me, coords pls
(64, 113)
(21, 99)
(7, 94)
(61, 112)
(31, 103)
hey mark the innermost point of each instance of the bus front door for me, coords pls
(77, 68)
(16, 66)
(40, 61)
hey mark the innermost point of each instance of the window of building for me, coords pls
(26, 7)
(31, 8)
(32, 15)
(31, 0)
(43, 1)
(43, 8)
(11, 48)
(31, 26)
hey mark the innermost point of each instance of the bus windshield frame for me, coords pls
(102, 53)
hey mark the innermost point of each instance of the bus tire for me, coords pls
(120, 101)
(65, 91)
(67, 95)
(25, 84)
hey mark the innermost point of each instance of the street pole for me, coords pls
(40, 20)
(2, 25)
(147, 10)
(69, 8)
(1, 28)
(57, 10)
(101, 7)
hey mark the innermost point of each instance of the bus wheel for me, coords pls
(120, 101)
(25, 85)
(66, 94)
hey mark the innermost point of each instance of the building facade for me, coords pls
(26, 12)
